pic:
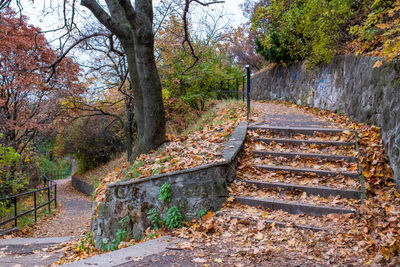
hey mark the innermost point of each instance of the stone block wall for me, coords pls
(203, 187)
(81, 185)
(349, 84)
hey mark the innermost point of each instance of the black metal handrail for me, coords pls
(243, 81)
(49, 184)
(225, 87)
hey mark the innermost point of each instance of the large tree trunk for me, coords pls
(134, 28)
(129, 49)
(130, 115)
(149, 80)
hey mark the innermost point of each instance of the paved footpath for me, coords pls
(43, 247)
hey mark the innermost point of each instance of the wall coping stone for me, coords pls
(231, 150)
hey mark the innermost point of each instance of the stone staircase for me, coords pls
(294, 175)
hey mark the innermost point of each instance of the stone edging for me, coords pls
(231, 150)
(82, 186)
(193, 190)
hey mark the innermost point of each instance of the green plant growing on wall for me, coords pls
(121, 236)
(87, 244)
(174, 218)
(153, 215)
(165, 193)
(202, 212)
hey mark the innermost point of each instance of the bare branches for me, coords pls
(110, 23)
(63, 55)
(112, 47)
(207, 3)
(5, 3)
(186, 38)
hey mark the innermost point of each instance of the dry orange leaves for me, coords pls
(181, 152)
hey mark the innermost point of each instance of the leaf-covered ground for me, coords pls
(370, 237)
(202, 146)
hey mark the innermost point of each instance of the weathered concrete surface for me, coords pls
(34, 241)
(349, 84)
(81, 185)
(193, 190)
(129, 254)
(31, 251)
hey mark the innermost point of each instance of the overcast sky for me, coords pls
(38, 12)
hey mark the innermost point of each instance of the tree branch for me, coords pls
(129, 11)
(105, 19)
(186, 38)
(63, 55)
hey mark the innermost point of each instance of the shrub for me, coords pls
(174, 218)
(290, 31)
(165, 193)
(378, 33)
(92, 141)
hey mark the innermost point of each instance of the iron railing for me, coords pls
(59, 174)
(50, 187)
(234, 87)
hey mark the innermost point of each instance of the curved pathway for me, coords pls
(72, 220)
(74, 214)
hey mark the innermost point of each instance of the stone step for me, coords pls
(305, 170)
(306, 155)
(291, 207)
(322, 191)
(295, 130)
(300, 142)
(278, 223)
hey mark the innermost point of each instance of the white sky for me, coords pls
(35, 12)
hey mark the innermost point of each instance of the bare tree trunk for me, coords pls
(133, 27)
(130, 115)
(149, 79)
(129, 49)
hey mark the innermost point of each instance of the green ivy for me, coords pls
(120, 236)
(202, 212)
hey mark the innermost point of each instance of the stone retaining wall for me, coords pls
(203, 187)
(81, 185)
(349, 84)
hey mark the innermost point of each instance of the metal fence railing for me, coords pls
(49, 189)
(232, 88)
(59, 174)
(236, 87)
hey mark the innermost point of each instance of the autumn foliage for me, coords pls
(31, 94)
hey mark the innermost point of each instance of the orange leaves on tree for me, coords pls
(31, 97)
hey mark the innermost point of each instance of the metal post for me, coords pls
(34, 203)
(228, 89)
(243, 89)
(15, 212)
(237, 88)
(48, 197)
(248, 90)
(55, 196)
